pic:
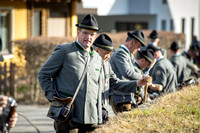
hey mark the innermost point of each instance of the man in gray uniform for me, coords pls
(61, 74)
(122, 63)
(163, 72)
(179, 63)
(189, 58)
(143, 59)
(154, 40)
(103, 46)
(122, 59)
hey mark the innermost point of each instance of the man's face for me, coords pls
(105, 54)
(86, 37)
(135, 46)
(145, 63)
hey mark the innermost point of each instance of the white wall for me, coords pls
(185, 9)
(110, 24)
(113, 7)
(175, 10)
(163, 13)
(139, 6)
(90, 3)
(122, 7)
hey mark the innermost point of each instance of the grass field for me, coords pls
(177, 112)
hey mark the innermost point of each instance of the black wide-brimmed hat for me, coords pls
(153, 35)
(175, 46)
(138, 35)
(194, 49)
(104, 41)
(148, 54)
(89, 22)
(153, 47)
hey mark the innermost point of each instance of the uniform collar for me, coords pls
(82, 49)
(151, 43)
(177, 54)
(136, 63)
(187, 55)
(161, 58)
(125, 48)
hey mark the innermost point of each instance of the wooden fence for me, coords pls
(7, 79)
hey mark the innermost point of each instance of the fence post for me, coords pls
(0, 80)
(12, 79)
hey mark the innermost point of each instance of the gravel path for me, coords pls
(37, 115)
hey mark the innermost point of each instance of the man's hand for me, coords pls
(196, 68)
(147, 78)
(13, 120)
(141, 82)
(156, 87)
(144, 80)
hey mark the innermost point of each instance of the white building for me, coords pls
(180, 16)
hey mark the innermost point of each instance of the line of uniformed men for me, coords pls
(60, 75)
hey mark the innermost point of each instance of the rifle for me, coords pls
(139, 99)
(147, 73)
(188, 82)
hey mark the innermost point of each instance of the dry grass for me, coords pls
(177, 112)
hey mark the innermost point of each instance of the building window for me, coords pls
(36, 21)
(171, 25)
(192, 27)
(5, 31)
(127, 26)
(163, 24)
(183, 25)
(164, 1)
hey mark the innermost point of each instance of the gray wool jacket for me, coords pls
(122, 64)
(163, 73)
(112, 82)
(190, 63)
(180, 66)
(60, 76)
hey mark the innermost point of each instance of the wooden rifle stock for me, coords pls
(146, 86)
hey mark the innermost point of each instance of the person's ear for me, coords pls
(143, 60)
(97, 49)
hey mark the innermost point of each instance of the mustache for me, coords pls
(88, 40)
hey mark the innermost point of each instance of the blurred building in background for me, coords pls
(21, 19)
(179, 16)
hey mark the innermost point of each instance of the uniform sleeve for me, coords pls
(125, 67)
(49, 70)
(175, 65)
(159, 76)
(190, 64)
(164, 52)
(120, 85)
